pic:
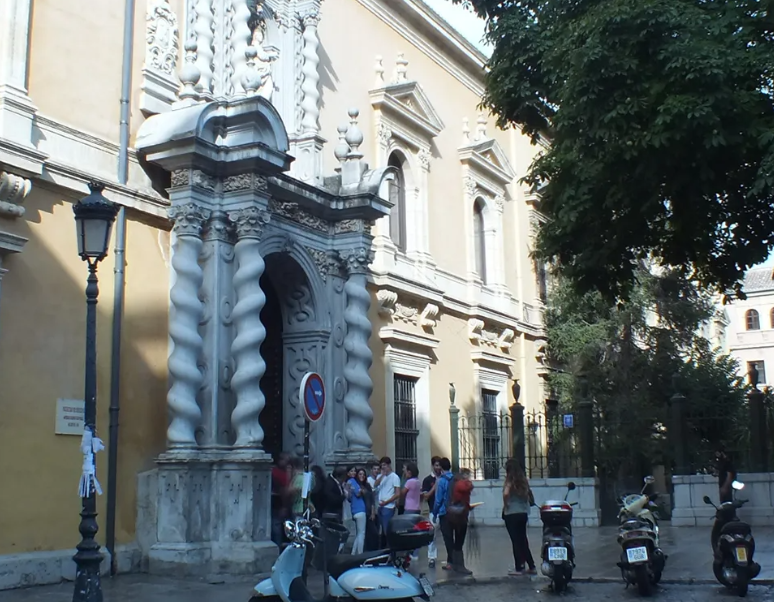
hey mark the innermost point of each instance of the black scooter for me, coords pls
(558, 550)
(734, 547)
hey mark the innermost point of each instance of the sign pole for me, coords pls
(306, 459)
(312, 396)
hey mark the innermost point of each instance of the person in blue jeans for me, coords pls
(387, 490)
(442, 497)
(356, 496)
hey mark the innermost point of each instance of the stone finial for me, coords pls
(251, 79)
(465, 131)
(481, 127)
(401, 68)
(354, 136)
(342, 148)
(379, 69)
(189, 73)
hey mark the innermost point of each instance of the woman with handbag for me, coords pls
(517, 499)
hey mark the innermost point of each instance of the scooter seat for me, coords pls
(736, 527)
(341, 563)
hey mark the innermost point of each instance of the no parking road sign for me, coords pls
(312, 393)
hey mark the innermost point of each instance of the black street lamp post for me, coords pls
(94, 216)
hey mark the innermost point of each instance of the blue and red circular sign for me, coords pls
(312, 394)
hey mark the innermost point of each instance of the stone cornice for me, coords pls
(11, 243)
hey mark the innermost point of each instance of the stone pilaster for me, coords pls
(359, 356)
(185, 315)
(250, 332)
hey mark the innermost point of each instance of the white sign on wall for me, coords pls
(69, 417)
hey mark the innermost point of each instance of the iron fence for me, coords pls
(550, 444)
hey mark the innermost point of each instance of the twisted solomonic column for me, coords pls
(311, 100)
(250, 333)
(359, 356)
(184, 318)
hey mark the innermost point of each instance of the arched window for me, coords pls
(398, 200)
(753, 319)
(479, 239)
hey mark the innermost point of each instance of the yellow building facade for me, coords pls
(304, 187)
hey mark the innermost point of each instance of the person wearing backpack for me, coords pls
(447, 516)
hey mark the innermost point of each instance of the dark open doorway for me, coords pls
(271, 383)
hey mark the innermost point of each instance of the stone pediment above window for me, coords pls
(404, 105)
(486, 158)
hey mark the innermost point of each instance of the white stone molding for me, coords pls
(185, 315)
(505, 340)
(9, 245)
(427, 319)
(159, 85)
(455, 49)
(250, 331)
(409, 355)
(492, 371)
(406, 313)
(14, 44)
(359, 356)
(13, 190)
(311, 101)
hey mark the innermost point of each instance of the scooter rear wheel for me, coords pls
(560, 579)
(741, 586)
(644, 585)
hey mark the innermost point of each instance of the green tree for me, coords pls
(660, 120)
(628, 354)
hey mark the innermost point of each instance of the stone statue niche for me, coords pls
(267, 54)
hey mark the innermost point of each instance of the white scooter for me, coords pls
(372, 576)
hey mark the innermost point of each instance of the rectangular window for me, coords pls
(406, 431)
(760, 366)
(491, 434)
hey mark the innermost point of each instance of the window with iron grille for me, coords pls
(491, 434)
(406, 430)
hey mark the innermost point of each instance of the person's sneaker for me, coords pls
(431, 563)
(447, 567)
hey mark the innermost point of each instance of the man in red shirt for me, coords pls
(280, 482)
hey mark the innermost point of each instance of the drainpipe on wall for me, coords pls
(119, 286)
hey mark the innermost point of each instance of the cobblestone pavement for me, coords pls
(142, 588)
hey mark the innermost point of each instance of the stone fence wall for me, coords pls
(690, 511)
(585, 514)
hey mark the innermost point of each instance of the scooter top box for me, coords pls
(556, 514)
(409, 532)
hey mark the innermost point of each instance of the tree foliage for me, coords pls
(659, 116)
(627, 355)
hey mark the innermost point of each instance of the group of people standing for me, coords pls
(376, 493)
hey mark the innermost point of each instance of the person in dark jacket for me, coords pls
(335, 494)
(317, 495)
(442, 498)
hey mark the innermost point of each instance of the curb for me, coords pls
(600, 580)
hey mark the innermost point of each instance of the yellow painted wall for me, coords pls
(42, 357)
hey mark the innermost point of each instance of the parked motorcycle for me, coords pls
(372, 576)
(642, 560)
(733, 545)
(558, 549)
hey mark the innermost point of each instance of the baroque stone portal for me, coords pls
(269, 282)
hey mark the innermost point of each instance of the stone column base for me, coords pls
(206, 513)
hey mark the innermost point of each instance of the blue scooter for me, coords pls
(372, 576)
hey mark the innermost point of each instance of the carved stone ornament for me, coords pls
(475, 328)
(470, 187)
(161, 37)
(298, 215)
(427, 319)
(219, 228)
(387, 300)
(357, 260)
(327, 264)
(499, 203)
(384, 134)
(423, 156)
(246, 181)
(189, 219)
(13, 190)
(193, 177)
(505, 342)
(349, 225)
(250, 222)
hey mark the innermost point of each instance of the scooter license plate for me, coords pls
(557, 553)
(426, 586)
(741, 554)
(634, 555)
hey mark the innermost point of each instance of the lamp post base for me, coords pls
(88, 583)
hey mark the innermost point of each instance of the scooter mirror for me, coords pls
(738, 485)
(649, 480)
(707, 500)
(571, 486)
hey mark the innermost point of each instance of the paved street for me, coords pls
(144, 589)
(688, 574)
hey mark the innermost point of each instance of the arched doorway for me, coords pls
(271, 383)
